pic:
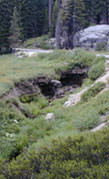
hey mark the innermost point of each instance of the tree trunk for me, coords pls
(107, 12)
(50, 14)
(58, 27)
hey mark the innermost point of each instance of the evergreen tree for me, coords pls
(32, 16)
(5, 18)
(50, 14)
(15, 33)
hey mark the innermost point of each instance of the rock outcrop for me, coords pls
(95, 37)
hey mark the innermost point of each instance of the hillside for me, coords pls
(45, 100)
(54, 89)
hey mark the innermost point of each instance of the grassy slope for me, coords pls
(13, 69)
(30, 134)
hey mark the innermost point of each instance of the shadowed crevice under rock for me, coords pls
(69, 80)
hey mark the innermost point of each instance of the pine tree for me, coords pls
(50, 14)
(32, 16)
(15, 32)
(5, 18)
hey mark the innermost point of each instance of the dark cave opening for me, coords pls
(69, 80)
(74, 80)
(47, 89)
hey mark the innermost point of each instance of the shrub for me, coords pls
(92, 92)
(87, 120)
(42, 102)
(84, 156)
(39, 42)
(84, 57)
(101, 46)
(96, 70)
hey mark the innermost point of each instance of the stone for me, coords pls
(101, 126)
(92, 37)
(56, 83)
(10, 135)
(16, 121)
(50, 116)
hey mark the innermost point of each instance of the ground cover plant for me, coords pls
(83, 156)
(24, 130)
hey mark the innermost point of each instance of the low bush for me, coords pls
(84, 156)
(87, 120)
(101, 46)
(84, 57)
(93, 91)
(97, 69)
(38, 42)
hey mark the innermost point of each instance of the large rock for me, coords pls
(95, 37)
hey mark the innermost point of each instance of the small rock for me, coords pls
(56, 83)
(16, 121)
(10, 135)
(50, 116)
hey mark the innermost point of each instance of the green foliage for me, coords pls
(83, 156)
(13, 69)
(92, 92)
(5, 18)
(24, 127)
(87, 120)
(101, 47)
(39, 42)
(27, 98)
(15, 33)
(97, 68)
(31, 17)
(84, 57)
(96, 64)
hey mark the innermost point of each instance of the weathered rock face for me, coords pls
(94, 37)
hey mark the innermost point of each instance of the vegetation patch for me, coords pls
(84, 156)
(97, 68)
(27, 98)
(42, 42)
(93, 91)
(101, 46)
(24, 127)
